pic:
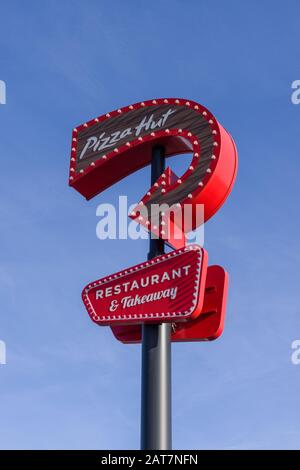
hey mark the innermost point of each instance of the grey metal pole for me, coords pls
(156, 430)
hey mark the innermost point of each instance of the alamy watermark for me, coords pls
(295, 356)
(2, 92)
(295, 96)
(160, 220)
(2, 352)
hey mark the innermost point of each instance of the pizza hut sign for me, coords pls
(168, 288)
(98, 144)
(110, 147)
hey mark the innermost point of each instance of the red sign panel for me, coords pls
(207, 326)
(167, 288)
(112, 146)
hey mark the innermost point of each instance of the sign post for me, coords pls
(156, 425)
(173, 296)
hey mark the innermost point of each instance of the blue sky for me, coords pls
(67, 383)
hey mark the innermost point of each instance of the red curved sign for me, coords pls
(110, 147)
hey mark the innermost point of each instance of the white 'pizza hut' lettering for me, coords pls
(96, 144)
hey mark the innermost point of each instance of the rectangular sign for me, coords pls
(207, 326)
(167, 288)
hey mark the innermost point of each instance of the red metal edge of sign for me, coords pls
(208, 326)
(168, 287)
